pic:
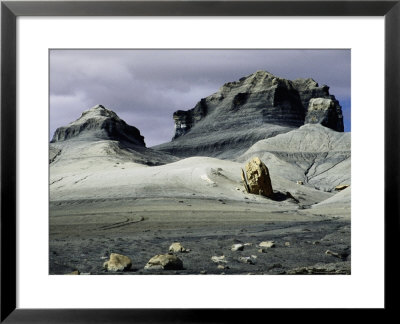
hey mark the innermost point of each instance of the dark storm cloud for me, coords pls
(144, 87)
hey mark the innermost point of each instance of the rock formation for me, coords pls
(101, 123)
(257, 179)
(326, 112)
(99, 132)
(241, 113)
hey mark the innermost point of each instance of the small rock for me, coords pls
(75, 273)
(165, 262)
(237, 247)
(287, 243)
(329, 252)
(118, 262)
(248, 244)
(177, 247)
(246, 260)
(203, 272)
(267, 244)
(300, 182)
(316, 242)
(254, 256)
(341, 187)
(219, 259)
(223, 267)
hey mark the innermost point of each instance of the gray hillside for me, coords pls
(99, 132)
(99, 122)
(314, 154)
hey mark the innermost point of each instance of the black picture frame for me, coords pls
(10, 10)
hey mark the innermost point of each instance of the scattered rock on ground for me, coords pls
(300, 182)
(219, 259)
(329, 252)
(177, 247)
(267, 244)
(222, 266)
(76, 272)
(341, 187)
(258, 180)
(246, 260)
(165, 262)
(118, 262)
(237, 247)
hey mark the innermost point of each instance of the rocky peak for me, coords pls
(99, 122)
(260, 97)
(257, 81)
(304, 84)
(98, 111)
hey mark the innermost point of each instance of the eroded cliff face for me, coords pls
(325, 111)
(261, 105)
(260, 98)
(100, 123)
(99, 137)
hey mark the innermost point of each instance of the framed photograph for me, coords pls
(162, 159)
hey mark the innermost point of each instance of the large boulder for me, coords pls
(118, 262)
(257, 180)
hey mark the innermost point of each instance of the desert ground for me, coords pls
(139, 211)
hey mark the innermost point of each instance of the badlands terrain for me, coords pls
(110, 194)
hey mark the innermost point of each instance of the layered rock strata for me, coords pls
(325, 111)
(253, 108)
(101, 123)
(99, 132)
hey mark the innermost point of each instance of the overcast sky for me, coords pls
(145, 87)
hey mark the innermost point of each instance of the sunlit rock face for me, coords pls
(325, 111)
